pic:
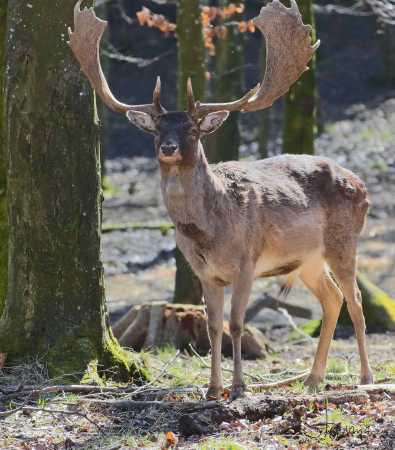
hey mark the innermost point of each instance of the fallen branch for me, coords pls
(280, 383)
(163, 227)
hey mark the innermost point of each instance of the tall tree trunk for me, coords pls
(3, 164)
(55, 305)
(190, 64)
(264, 116)
(228, 85)
(300, 102)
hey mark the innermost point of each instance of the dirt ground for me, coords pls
(69, 421)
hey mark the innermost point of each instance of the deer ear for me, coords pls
(142, 120)
(213, 121)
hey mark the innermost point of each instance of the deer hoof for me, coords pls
(312, 381)
(367, 379)
(214, 393)
(238, 391)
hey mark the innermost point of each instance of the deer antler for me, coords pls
(85, 44)
(288, 51)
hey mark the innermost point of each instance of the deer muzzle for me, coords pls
(169, 153)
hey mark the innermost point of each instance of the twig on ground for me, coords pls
(279, 383)
(294, 326)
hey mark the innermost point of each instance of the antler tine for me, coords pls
(191, 97)
(156, 97)
(85, 42)
(288, 51)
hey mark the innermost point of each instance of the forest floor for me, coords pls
(154, 416)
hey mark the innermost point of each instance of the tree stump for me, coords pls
(158, 324)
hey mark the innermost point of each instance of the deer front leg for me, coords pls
(240, 297)
(214, 299)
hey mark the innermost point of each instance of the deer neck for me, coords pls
(190, 191)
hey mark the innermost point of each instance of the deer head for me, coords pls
(177, 134)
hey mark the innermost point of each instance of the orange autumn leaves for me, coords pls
(208, 16)
(148, 18)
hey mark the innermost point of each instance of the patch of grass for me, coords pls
(221, 443)
(183, 371)
(336, 365)
(385, 371)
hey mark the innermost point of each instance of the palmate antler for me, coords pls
(288, 51)
(85, 43)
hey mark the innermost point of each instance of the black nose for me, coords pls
(168, 149)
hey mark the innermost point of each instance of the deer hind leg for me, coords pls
(329, 295)
(345, 275)
(240, 297)
(214, 299)
(343, 264)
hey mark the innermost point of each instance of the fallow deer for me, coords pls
(299, 216)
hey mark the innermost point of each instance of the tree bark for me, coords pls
(55, 306)
(3, 165)
(191, 55)
(300, 102)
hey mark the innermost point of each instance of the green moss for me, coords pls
(116, 362)
(378, 306)
(312, 327)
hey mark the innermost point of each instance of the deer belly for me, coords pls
(271, 267)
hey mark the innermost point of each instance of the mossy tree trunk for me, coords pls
(264, 116)
(300, 102)
(191, 55)
(378, 308)
(3, 165)
(55, 306)
(228, 86)
(191, 52)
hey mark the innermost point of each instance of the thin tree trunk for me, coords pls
(190, 64)
(228, 85)
(3, 165)
(55, 307)
(300, 102)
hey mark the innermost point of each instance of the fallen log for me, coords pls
(267, 301)
(202, 420)
(182, 326)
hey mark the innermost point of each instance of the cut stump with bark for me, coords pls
(158, 324)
